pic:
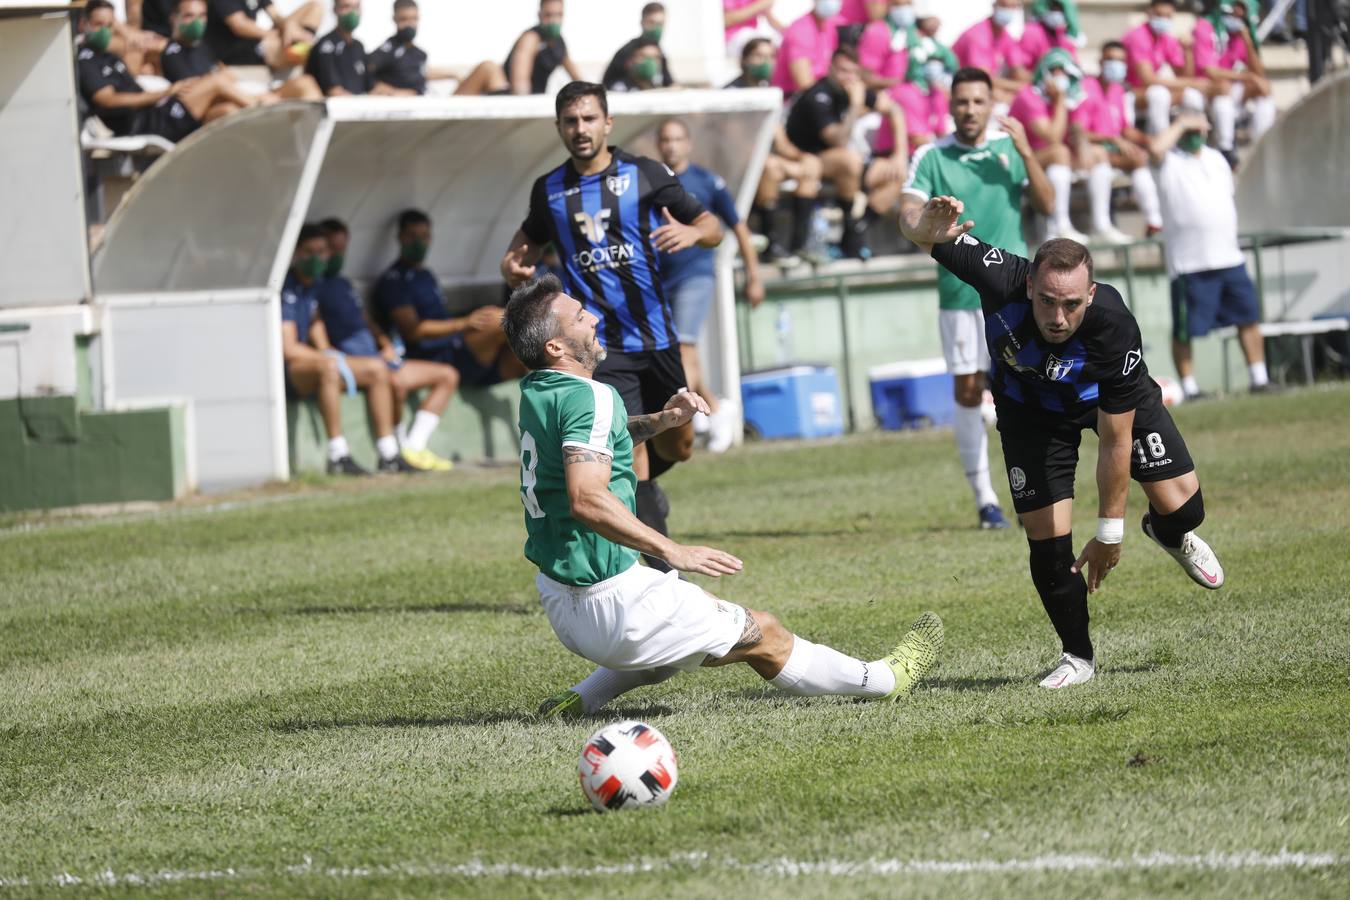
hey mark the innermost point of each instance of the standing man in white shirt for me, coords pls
(1210, 284)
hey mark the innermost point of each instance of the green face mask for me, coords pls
(760, 71)
(415, 251)
(653, 34)
(98, 39)
(551, 30)
(192, 32)
(349, 20)
(334, 267)
(646, 69)
(311, 267)
(1191, 141)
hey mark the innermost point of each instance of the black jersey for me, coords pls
(155, 16)
(399, 66)
(339, 62)
(823, 104)
(179, 60)
(548, 56)
(1100, 366)
(614, 72)
(228, 46)
(97, 70)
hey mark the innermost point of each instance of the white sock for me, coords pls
(423, 427)
(603, 685)
(972, 443)
(1189, 386)
(814, 669)
(1061, 178)
(337, 448)
(401, 431)
(1159, 102)
(1224, 113)
(1259, 376)
(1146, 195)
(1263, 116)
(387, 447)
(1099, 191)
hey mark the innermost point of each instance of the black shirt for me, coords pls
(548, 57)
(229, 47)
(181, 61)
(615, 71)
(96, 71)
(155, 16)
(337, 61)
(819, 106)
(400, 66)
(743, 81)
(1101, 365)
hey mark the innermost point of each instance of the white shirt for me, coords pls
(1199, 213)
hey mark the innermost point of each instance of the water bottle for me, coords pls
(818, 243)
(783, 326)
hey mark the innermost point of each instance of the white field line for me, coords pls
(778, 868)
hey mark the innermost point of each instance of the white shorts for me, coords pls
(641, 619)
(963, 343)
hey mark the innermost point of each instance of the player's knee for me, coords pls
(1051, 560)
(449, 378)
(329, 372)
(1171, 527)
(765, 635)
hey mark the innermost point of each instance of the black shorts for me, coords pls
(168, 118)
(455, 352)
(645, 379)
(1041, 452)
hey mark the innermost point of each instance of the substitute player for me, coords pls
(988, 170)
(638, 625)
(608, 213)
(1068, 356)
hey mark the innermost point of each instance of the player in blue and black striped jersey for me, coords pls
(610, 214)
(1066, 355)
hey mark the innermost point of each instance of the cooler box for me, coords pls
(797, 402)
(914, 394)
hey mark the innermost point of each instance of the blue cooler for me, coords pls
(797, 402)
(913, 394)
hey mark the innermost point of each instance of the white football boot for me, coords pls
(1070, 671)
(1194, 556)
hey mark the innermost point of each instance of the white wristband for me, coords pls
(1110, 531)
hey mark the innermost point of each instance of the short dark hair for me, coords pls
(653, 8)
(1113, 45)
(847, 51)
(411, 217)
(529, 322)
(178, 3)
(330, 226)
(404, 4)
(1062, 255)
(94, 5)
(752, 45)
(308, 232)
(575, 90)
(968, 74)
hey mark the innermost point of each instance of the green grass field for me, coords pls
(327, 690)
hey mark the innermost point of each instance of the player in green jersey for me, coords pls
(988, 171)
(638, 625)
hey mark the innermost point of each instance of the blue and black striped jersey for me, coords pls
(1100, 366)
(601, 225)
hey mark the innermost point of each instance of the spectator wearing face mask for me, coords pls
(1054, 23)
(808, 44)
(881, 68)
(399, 68)
(338, 60)
(1225, 50)
(642, 72)
(539, 51)
(620, 68)
(926, 67)
(188, 56)
(992, 44)
(237, 39)
(1159, 71)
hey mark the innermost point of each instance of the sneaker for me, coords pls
(345, 466)
(1268, 388)
(1111, 235)
(1072, 234)
(722, 428)
(1070, 671)
(425, 461)
(396, 465)
(915, 655)
(775, 253)
(1194, 556)
(563, 705)
(1200, 396)
(991, 518)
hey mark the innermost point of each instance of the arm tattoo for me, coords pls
(640, 428)
(577, 455)
(750, 635)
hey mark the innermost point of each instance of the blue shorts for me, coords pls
(1203, 301)
(455, 352)
(690, 299)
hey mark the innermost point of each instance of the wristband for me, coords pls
(1110, 531)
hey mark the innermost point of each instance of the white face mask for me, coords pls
(1003, 16)
(1232, 23)
(1160, 25)
(828, 9)
(902, 16)
(934, 71)
(1055, 20)
(1061, 82)
(1114, 69)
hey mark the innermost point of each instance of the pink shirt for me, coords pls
(1207, 48)
(1027, 107)
(874, 47)
(1142, 45)
(997, 53)
(732, 6)
(1104, 108)
(806, 39)
(853, 12)
(1036, 40)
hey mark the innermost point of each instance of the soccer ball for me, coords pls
(1172, 394)
(627, 765)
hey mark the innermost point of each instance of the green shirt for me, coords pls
(559, 410)
(988, 179)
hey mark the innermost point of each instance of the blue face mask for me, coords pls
(1160, 25)
(902, 17)
(1114, 70)
(828, 9)
(1055, 20)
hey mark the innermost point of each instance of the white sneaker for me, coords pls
(702, 424)
(1071, 233)
(722, 427)
(1111, 235)
(1070, 671)
(1194, 556)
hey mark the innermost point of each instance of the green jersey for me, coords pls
(559, 410)
(988, 179)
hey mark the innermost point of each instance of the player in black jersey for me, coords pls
(1067, 355)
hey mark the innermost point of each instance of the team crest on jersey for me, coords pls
(1056, 369)
(618, 184)
(993, 258)
(1132, 359)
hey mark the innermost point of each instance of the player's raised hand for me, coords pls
(703, 561)
(1100, 559)
(682, 407)
(674, 236)
(937, 222)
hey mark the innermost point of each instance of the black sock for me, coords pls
(657, 465)
(1063, 593)
(1170, 529)
(803, 208)
(649, 513)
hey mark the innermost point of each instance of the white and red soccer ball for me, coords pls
(627, 765)
(1172, 394)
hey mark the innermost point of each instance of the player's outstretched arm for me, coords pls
(934, 223)
(678, 410)
(595, 506)
(1114, 433)
(518, 263)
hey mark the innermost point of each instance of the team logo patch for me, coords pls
(594, 228)
(618, 184)
(967, 239)
(1056, 369)
(1132, 359)
(1017, 479)
(993, 258)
